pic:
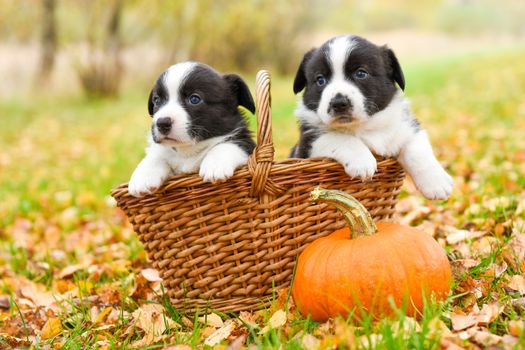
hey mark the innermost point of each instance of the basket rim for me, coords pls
(280, 167)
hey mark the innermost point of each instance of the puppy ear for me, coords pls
(240, 91)
(299, 82)
(150, 103)
(397, 73)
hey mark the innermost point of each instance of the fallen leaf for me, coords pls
(437, 328)
(518, 303)
(448, 343)
(213, 320)
(485, 245)
(51, 328)
(485, 316)
(517, 245)
(14, 342)
(249, 318)
(237, 343)
(309, 342)
(510, 341)
(177, 347)
(405, 327)
(489, 313)
(370, 341)
(148, 339)
(219, 335)
(462, 321)
(103, 314)
(5, 302)
(517, 283)
(151, 275)
(454, 235)
(484, 337)
(207, 331)
(516, 327)
(500, 269)
(71, 269)
(37, 293)
(153, 319)
(277, 320)
(462, 266)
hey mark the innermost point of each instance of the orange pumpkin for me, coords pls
(359, 269)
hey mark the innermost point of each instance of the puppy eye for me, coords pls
(156, 99)
(320, 80)
(194, 99)
(361, 73)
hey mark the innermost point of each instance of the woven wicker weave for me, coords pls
(227, 246)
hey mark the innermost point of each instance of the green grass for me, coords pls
(62, 155)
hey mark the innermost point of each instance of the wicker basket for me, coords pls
(228, 246)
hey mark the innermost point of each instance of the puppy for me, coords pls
(196, 127)
(351, 108)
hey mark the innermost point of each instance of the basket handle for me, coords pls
(260, 161)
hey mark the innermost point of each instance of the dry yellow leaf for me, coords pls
(51, 328)
(277, 320)
(517, 283)
(516, 327)
(309, 342)
(489, 313)
(213, 320)
(177, 347)
(37, 293)
(153, 319)
(151, 275)
(103, 314)
(485, 316)
(460, 321)
(248, 318)
(219, 335)
(71, 269)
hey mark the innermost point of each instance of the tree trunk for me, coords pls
(101, 75)
(48, 41)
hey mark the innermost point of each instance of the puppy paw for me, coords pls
(215, 170)
(143, 183)
(363, 167)
(434, 183)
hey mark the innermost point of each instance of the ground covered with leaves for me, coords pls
(73, 275)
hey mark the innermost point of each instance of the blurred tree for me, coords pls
(48, 41)
(231, 34)
(247, 35)
(102, 73)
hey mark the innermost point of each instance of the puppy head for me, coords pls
(347, 80)
(191, 102)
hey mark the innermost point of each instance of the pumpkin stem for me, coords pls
(355, 214)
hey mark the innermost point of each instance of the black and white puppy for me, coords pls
(196, 127)
(351, 108)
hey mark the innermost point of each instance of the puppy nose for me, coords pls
(164, 125)
(340, 103)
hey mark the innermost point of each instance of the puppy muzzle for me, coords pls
(340, 109)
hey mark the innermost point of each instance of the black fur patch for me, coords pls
(159, 90)
(303, 148)
(314, 63)
(217, 114)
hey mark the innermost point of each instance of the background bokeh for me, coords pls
(140, 38)
(74, 80)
